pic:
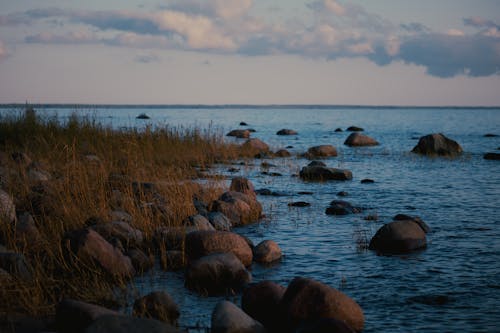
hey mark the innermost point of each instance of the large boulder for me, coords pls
(286, 131)
(321, 173)
(416, 219)
(398, 237)
(321, 151)
(123, 324)
(216, 274)
(219, 221)
(437, 145)
(239, 207)
(261, 301)
(359, 140)
(7, 207)
(307, 299)
(202, 243)
(266, 252)
(239, 133)
(198, 222)
(90, 247)
(255, 146)
(124, 232)
(76, 316)
(157, 305)
(228, 318)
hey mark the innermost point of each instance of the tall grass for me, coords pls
(92, 170)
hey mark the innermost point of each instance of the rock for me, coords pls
(261, 301)
(216, 274)
(416, 219)
(437, 145)
(202, 243)
(90, 247)
(243, 185)
(341, 207)
(321, 173)
(342, 194)
(157, 305)
(200, 207)
(360, 140)
(76, 316)
(7, 207)
(251, 130)
(143, 116)
(240, 208)
(367, 181)
(338, 129)
(282, 153)
(228, 318)
(354, 129)
(27, 234)
(398, 237)
(255, 146)
(317, 163)
(490, 135)
(371, 217)
(286, 131)
(243, 123)
(321, 151)
(431, 299)
(239, 133)
(219, 221)
(492, 156)
(199, 222)
(92, 158)
(266, 252)
(127, 235)
(119, 215)
(141, 262)
(123, 324)
(324, 325)
(307, 299)
(299, 204)
(16, 265)
(37, 174)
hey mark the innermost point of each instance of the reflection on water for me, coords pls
(453, 285)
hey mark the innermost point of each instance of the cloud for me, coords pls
(78, 37)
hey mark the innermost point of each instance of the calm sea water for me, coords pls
(453, 285)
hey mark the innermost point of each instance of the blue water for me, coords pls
(458, 198)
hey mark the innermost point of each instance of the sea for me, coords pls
(453, 285)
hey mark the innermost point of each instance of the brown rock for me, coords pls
(123, 231)
(239, 133)
(437, 145)
(261, 301)
(228, 318)
(266, 252)
(157, 305)
(321, 151)
(240, 208)
(399, 237)
(76, 316)
(243, 185)
(255, 146)
(282, 153)
(286, 131)
(321, 173)
(359, 140)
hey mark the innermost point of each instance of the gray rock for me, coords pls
(199, 222)
(492, 156)
(341, 207)
(128, 235)
(219, 221)
(286, 131)
(228, 318)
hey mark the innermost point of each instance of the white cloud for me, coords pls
(455, 32)
(228, 9)
(334, 7)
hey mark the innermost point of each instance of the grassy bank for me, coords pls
(67, 174)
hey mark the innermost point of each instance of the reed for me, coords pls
(90, 171)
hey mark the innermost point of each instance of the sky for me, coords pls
(360, 52)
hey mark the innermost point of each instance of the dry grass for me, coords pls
(92, 169)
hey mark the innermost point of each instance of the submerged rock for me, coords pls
(286, 131)
(299, 204)
(354, 129)
(282, 153)
(322, 173)
(228, 318)
(399, 237)
(216, 274)
(341, 207)
(143, 116)
(437, 145)
(360, 140)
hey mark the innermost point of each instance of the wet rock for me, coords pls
(228, 318)
(341, 207)
(266, 252)
(141, 262)
(261, 301)
(321, 151)
(243, 185)
(437, 145)
(367, 181)
(143, 116)
(491, 135)
(354, 129)
(324, 325)
(342, 194)
(286, 131)
(322, 173)
(299, 204)
(90, 247)
(338, 129)
(219, 221)
(157, 305)
(416, 219)
(202, 243)
(492, 156)
(123, 324)
(243, 123)
(282, 153)
(360, 140)
(398, 237)
(122, 231)
(16, 265)
(239, 133)
(252, 130)
(216, 274)
(199, 222)
(7, 207)
(255, 146)
(305, 193)
(272, 174)
(239, 207)
(307, 299)
(76, 316)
